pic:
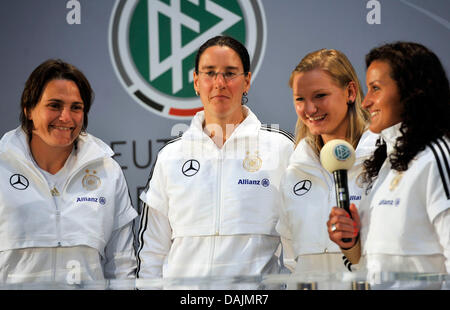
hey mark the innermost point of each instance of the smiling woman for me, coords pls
(61, 165)
(55, 105)
(405, 214)
(327, 99)
(321, 103)
(57, 122)
(383, 97)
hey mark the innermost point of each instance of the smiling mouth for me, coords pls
(316, 118)
(62, 128)
(374, 113)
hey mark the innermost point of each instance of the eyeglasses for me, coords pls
(227, 76)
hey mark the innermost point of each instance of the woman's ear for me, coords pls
(196, 88)
(248, 79)
(28, 116)
(351, 88)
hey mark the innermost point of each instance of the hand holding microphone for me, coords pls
(337, 156)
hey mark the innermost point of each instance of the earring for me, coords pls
(244, 98)
(349, 103)
(197, 94)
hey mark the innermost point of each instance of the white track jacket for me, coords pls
(82, 233)
(210, 211)
(405, 218)
(308, 195)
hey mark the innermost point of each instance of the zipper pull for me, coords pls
(54, 191)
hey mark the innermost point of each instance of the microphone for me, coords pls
(337, 156)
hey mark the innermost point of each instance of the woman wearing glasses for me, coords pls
(210, 207)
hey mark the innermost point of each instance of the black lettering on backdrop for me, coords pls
(149, 161)
(116, 154)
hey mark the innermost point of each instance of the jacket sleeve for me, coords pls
(155, 232)
(120, 259)
(154, 243)
(442, 226)
(437, 189)
(283, 228)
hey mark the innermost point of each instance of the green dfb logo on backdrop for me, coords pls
(153, 45)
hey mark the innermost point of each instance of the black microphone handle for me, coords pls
(342, 194)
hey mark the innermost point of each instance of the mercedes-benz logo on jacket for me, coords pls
(302, 187)
(190, 167)
(18, 181)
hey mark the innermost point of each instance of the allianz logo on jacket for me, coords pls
(263, 182)
(101, 200)
(355, 197)
(389, 202)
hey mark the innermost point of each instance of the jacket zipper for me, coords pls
(218, 209)
(57, 210)
(331, 194)
(58, 222)
(53, 265)
(219, 194)
(52, 198)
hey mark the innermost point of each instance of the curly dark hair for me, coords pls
(425, 96)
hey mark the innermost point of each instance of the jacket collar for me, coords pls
(390, 136)
(366, 145)
(249, 127)
(304, 155)
(90, 148)
(14, 144)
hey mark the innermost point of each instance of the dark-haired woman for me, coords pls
(65, 212)
(211, 204)
(405, 217)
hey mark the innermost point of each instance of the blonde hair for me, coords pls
(336, 64)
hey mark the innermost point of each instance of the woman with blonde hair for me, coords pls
(327, 99)
(339, 69)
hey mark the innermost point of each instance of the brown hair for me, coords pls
(53, 69)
